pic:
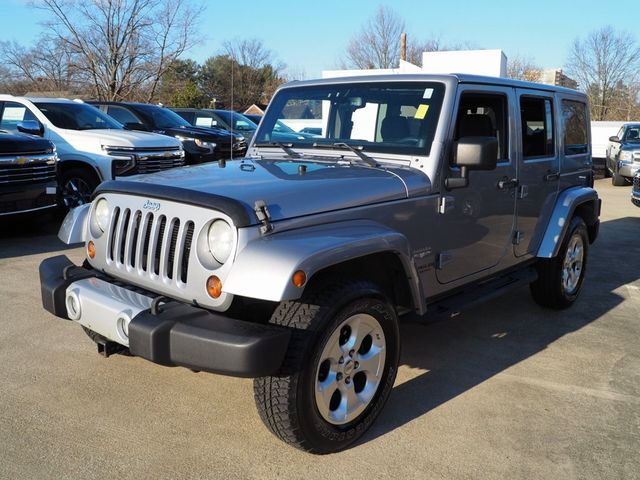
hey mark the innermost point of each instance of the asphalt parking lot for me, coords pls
(509, 390)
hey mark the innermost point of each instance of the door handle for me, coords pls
(551, 177)
(506, 183)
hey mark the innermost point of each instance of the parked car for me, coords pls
(635, 190)
(200, 144)
(623, 154)
(428, 194)
(28, 173)
(91, 146)
(282, 132)
(226, 119)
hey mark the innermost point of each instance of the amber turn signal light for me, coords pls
(299, 278)
(91, 249)
(214, 286)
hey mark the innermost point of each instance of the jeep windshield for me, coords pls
(76, 116)
(386, 117)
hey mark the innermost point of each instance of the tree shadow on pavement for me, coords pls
(460, 353)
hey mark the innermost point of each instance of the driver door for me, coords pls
(478, 224)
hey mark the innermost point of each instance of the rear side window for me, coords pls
(575, 127)
(536, 115)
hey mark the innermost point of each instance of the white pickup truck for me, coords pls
(92, 147)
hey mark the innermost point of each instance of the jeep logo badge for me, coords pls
(153, 206)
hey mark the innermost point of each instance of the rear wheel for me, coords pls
(560, 278)
(338, 371)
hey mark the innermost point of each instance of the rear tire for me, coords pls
(339, 369)
(560, 278)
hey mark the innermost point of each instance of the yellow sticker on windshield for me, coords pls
(421, 112)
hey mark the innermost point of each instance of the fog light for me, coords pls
(122, 324)
(299, 278)
(91, 249)
(214, 286)
(74, 310)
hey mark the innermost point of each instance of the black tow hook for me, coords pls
(107, 348)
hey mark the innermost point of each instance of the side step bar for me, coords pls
(451, 306)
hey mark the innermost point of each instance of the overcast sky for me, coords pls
(310, 36)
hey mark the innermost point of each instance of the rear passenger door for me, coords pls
(538, 167)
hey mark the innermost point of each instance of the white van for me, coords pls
(92, 147)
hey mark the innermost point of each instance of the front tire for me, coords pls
(339, 369)
(78, 185)
(560, 278)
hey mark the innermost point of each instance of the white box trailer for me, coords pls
(600, 133)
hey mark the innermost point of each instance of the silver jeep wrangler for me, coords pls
(294, 265)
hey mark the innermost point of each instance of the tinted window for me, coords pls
(575, 127)
(121, 114)
(76, 116)
(161, 117)
(483, 115)
(536, 116)
(13, 113)
(390, 117)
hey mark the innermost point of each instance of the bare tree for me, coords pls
(602, 62)
(377, 45)
(122, 47)
(523, 68)
(45, 67)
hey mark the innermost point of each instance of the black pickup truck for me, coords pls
(28, 174)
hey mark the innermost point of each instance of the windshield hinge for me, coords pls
(264, 217)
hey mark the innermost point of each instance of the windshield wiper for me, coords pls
(357, 150)
(284, 146)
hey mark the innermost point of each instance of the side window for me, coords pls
(620, 133)
(632, 134)
(122, 115)
(484, 115)
(575, 127)
(12, 113)
(536, 118)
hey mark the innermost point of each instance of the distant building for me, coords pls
(256, 109)
(555, 76)
(477, 62)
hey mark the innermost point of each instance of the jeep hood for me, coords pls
(289, 188)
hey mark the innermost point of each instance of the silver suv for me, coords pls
(294, 265)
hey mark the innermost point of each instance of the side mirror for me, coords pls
(473, 153)
(32, 127)
(136, 126)
(614, 139)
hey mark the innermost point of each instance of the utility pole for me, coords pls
(403, 46)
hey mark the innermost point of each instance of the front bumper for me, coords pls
(18, 199)
(628, 169)
(173, 334)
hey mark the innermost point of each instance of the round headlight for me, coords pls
(101, 213)
(220, 240)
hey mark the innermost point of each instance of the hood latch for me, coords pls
(264, 217)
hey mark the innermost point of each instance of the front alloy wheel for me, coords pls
(350, 369)
(339, 368)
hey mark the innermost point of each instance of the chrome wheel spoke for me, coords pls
(372, 362)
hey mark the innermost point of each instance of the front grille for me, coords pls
(155, 246)
(636, 183)
(146, 160)
(150, 162)
(28, 173)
